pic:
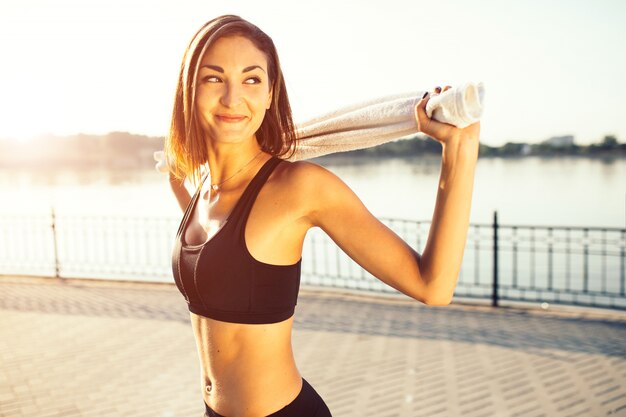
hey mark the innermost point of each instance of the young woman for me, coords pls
(238, 248)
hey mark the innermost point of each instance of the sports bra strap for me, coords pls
(242, 210)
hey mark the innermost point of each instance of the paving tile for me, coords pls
(92, 348)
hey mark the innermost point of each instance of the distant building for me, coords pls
(526, 149)
(560, 141)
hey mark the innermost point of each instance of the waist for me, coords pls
(256, 395)
(232, 349)
(246, 365)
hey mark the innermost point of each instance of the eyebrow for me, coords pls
(220, 69)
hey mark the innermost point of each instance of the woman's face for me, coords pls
(233, 90)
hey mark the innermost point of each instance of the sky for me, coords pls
(95, 66)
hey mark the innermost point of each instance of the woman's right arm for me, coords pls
(178, 186)
(180, 191)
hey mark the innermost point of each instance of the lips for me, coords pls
(230, 118)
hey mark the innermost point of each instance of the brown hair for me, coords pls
(185, 147)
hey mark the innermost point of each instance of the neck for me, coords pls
(225, 159)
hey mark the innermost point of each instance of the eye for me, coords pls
(211, 79)
(255, 80)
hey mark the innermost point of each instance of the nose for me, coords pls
(231, 96)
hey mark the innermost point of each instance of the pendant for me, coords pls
(215, 187)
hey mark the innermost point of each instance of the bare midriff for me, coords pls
(247, 370)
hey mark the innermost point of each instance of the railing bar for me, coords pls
(622, 266)
(90, 245)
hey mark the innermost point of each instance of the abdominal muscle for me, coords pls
(247, 370)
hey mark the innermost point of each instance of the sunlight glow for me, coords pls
(97, 66)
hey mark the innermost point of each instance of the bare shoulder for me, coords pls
(306, 177)
(313, 190)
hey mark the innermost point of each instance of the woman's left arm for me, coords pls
(443, 253)
(332, 206)
(432, 276)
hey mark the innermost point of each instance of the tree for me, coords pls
(609, 141)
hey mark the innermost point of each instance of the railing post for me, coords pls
(622, 279)
(494, 297)
(56, 252)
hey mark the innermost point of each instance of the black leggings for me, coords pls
(308, 403)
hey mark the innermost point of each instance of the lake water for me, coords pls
(527, 191)
(100, 233)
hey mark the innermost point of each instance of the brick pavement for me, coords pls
(93, 348)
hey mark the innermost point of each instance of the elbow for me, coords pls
(438, 301)
(437, 298)
(430, 292)
(434, 300)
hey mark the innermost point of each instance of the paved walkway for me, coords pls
(90, 348)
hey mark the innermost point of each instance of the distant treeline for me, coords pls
(122, 150)
(114, 150)
(420, 145)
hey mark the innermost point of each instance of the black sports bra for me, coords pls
(221, 280)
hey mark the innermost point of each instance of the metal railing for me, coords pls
(552, 264)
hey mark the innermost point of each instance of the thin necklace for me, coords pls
(216, 187)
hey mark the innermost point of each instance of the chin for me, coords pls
(229, 137)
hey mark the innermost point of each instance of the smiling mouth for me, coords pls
(230, 118)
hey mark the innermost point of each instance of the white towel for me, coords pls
(383, 120)
(378, 121)
(461, 106)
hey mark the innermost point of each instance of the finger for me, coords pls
(420, 113)
(427, 125)
(423, 101)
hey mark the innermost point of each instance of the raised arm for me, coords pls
(180, 192)
(432, 276)
(445, 245)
